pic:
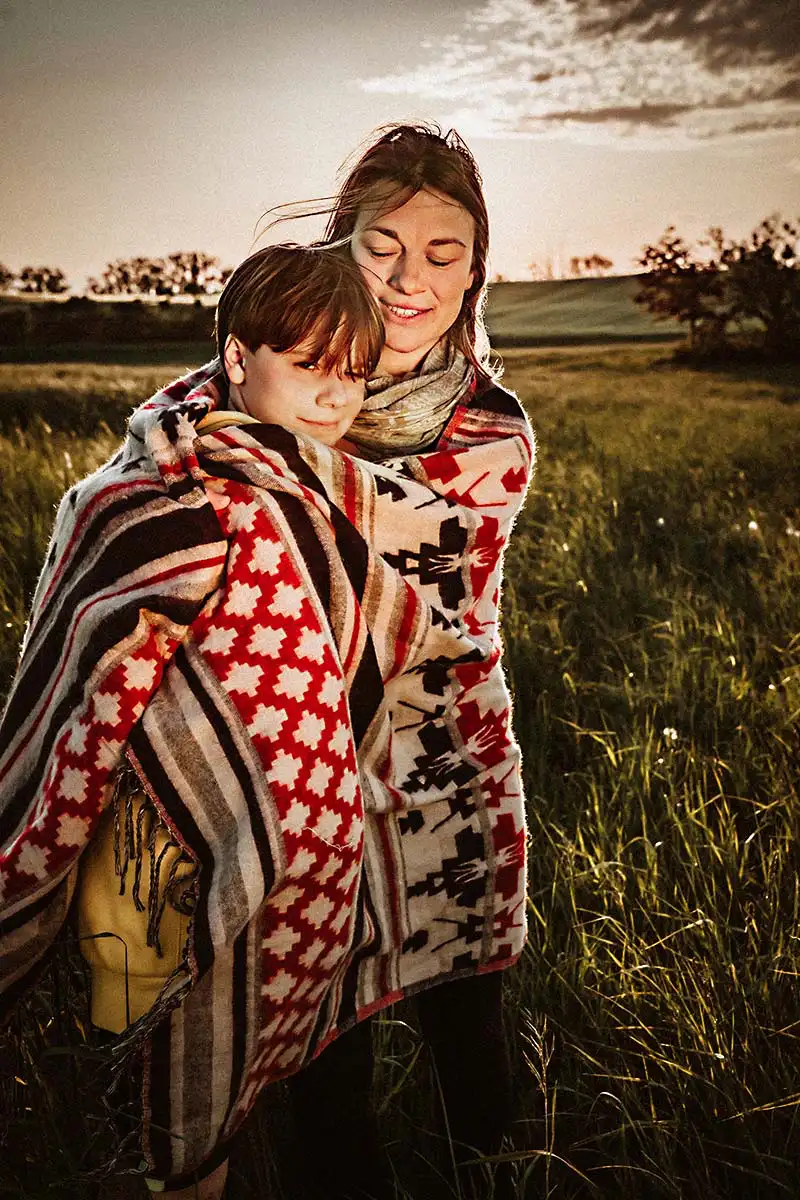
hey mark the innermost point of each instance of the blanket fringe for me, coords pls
(139, 831)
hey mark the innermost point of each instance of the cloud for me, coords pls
(647, 70)
(636, 114)
(724, 32)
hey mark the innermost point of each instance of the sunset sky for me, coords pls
(147, 127)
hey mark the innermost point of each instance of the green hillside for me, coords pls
(571, 310)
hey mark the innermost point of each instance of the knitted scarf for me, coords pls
(305, 678)
(405, 416)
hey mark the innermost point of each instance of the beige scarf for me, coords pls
(405, 416)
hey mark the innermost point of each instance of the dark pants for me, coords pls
(331, 1099)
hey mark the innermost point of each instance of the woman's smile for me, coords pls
(403, 313)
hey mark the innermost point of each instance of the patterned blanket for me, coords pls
(305, 677)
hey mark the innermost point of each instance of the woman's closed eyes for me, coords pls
(435, 262)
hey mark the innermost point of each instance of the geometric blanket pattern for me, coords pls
(305, 676)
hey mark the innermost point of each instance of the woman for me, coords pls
(378, 585)
(413, 214)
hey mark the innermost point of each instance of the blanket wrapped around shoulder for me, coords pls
(305, 677)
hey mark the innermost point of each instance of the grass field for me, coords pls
(652, 632)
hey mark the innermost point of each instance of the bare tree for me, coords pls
(542, 272)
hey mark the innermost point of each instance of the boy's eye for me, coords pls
(445, 262)
(381, 253)
(307, 366)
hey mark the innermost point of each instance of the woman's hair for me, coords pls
(286, 296)
(403, 160)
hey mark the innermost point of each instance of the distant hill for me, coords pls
(571, 310)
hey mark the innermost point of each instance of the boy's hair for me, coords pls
(287, 295)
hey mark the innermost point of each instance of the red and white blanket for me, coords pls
(305, 676)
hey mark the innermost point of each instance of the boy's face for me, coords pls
(288, 390)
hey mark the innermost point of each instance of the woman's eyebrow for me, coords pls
(390, 233)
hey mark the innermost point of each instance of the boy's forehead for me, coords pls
(322, 336)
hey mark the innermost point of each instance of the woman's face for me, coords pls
(417, 260)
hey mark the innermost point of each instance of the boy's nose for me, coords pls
(334, 394)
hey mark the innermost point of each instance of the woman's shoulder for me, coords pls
(491, 414)
(491, 395)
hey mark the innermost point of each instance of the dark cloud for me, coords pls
(626, 114)
(788, 91)
(759, 125)
(672, 69)
(727, 33)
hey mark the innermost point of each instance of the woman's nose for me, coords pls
(406, 275)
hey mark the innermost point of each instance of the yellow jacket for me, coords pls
(127, 974)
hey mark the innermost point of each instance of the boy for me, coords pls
(297, 333)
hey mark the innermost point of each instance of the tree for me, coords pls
(184, 273)
(540, 272)
(762, 279)
(7, 277)
(756, 279)
(195, 274)
(592, 265)
(133, 277)
(680, 286)
(41, 280)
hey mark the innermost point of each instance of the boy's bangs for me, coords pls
(304, 297)
(347, 336)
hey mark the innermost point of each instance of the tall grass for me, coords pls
(652, 633)
(652, 628)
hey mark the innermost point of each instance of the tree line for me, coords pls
(194, 273)
(581, 266)
(731, 294)
(184, 273)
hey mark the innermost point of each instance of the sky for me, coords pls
(164, 125)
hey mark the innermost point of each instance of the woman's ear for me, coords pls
(234, 359)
